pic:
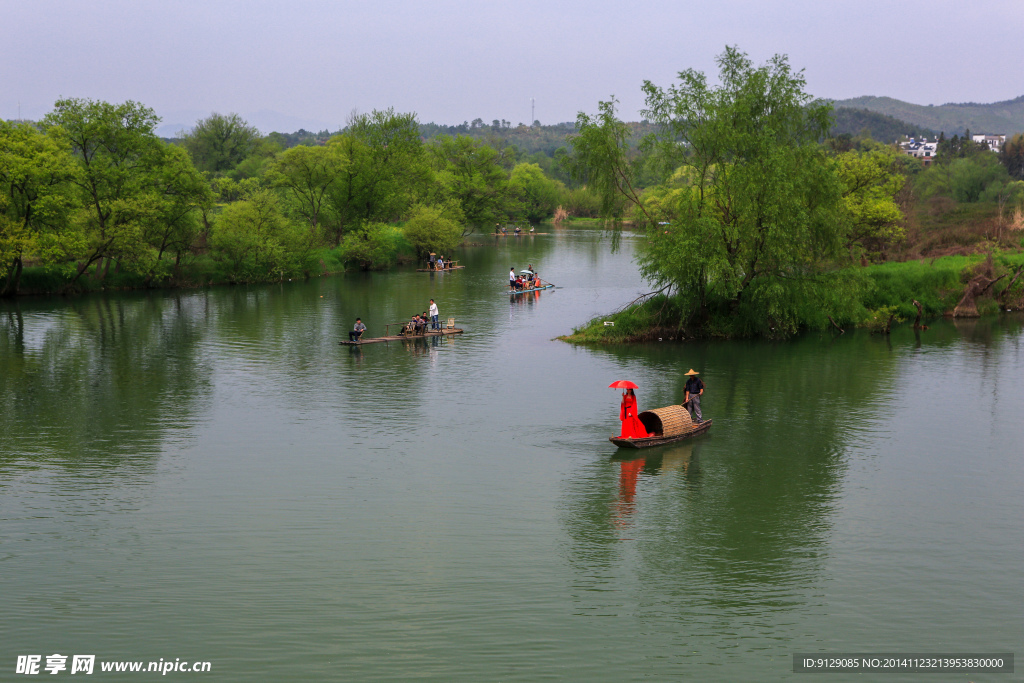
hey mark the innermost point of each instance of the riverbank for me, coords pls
(888, 296)
(197, 271)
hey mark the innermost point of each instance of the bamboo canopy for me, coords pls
(668, 421)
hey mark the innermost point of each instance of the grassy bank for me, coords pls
(890, 288)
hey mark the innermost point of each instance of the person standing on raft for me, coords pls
(694, 388)
(632, 427)
(434, 325)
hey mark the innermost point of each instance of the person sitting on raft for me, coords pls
(357, 331)
(632, 427)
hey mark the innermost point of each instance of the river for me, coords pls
(207, 475)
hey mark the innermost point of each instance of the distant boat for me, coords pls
(672, 423)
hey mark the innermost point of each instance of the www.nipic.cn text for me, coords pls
(86, 664)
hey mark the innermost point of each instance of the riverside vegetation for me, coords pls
(91, 198)
(760, 224)
(758, 216)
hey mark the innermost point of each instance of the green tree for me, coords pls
(871, 181)
(386, 173)
(1012, 156)
(307, 174)
(428, 230)
(373, 245)
(218, 143)
(36, 173)
(605, 161)
(758, 229)
(256, 242)
(536, 194)
(117, 152)
(974, 178)
(470, 172)
(180, 199)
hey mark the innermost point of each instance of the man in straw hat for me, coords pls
(694, 388)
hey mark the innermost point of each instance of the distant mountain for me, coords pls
(880, 127)
(998, 117)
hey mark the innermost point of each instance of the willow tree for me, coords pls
(748, 225)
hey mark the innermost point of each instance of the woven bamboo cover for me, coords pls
(668, 421)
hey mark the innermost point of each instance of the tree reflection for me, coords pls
(751, 524)
(99, 380)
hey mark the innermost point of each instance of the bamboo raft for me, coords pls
(672, 423)
(404, 337)
(527, 290)
(522, 234)
(438, 270)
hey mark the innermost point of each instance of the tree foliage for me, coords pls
(386, 172)
(117, 153)
(429, 230)
(975, 178)
(871, 180)
(255, 239)
(1012, 156)
(36, 174)
(219, 143)
(536, 195)
(754, 211)
(307, 174)
(470, 172)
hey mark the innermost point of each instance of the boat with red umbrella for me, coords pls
(661, 425)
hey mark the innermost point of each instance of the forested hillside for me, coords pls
(880, 127)
(1005, 117)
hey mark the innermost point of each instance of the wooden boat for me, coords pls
(672, 423)
(404, 337)
(527, 290)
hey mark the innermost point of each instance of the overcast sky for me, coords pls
(309, 63)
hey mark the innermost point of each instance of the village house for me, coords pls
(920, 149)
(994, 142)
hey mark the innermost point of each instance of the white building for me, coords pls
(995, 142)
(921, 149)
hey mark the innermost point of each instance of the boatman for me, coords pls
(512, 278)
(357, 331)
(434, 325)
(694, 388)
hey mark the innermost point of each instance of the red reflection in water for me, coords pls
(624, 506)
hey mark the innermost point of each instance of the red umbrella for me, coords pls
(622, 384)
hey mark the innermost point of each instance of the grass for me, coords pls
(658, 317)
(936, 283)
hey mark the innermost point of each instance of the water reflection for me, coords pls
(751, 523)
(102, 379)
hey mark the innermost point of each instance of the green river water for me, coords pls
(207, 475)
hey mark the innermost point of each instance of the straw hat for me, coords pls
(692, 372)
